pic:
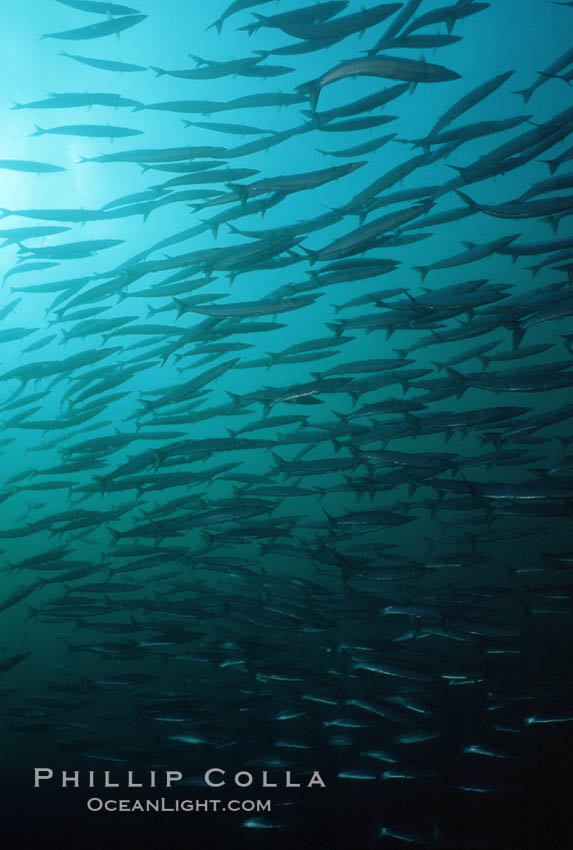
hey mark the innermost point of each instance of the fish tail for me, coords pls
(312, 255)
(242, 191)
(344, 417)
(235, 399)
(151, 311)
(312, 90)
(159, 72)
(181, 307)
(517, 335)
(336, 328)
(38, 131)
(467, 200)
(423, 270)
(533, 269)
(552, 221)
(70, 646)
(457, 377)
(552, 164)
(274, 357)
(146, 404)
(281, 464)
(525, 94)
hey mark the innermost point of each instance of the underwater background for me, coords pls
(286, 483)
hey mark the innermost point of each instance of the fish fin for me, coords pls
(312, 90)
(467, 200)
(242, 191)
(517, 334)
(553, 164)
(312, 255)
(274, 358)
(423, 270)
(159, 72)
(336, 327)
(70, 646)
(180, 306)
(457, 377)
(281, 464)
(235, 399)
(525, 94)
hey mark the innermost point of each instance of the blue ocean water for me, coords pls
(400, 618)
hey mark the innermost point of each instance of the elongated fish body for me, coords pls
(296, 182)
(342, 26)
(91, 131)
(253, 308)
(78, 99)
(387, 67)
(104, 64)
(32, 167)
(524, 209)
(212, 70)
(353, 242)
(21, 234)
(310, 14)
(397, 23)
(232, 9)
(99, 30)
(552, 70)
(420, 42)
(364, 147)
(99, 7)
(448, 15)
(471, 99)
(159, 155)
(235, 129)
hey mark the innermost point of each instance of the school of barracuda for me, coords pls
(356, 554)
